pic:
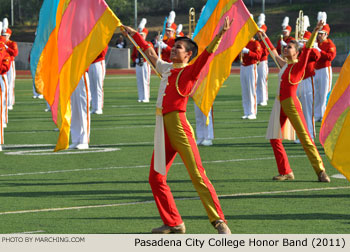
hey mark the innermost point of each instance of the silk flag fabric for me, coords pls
(70, 35)
(235, 39)
(335, 127)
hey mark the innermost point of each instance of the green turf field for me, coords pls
(105, 189)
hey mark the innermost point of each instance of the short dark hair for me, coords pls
(190, 46)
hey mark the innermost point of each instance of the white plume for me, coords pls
(142, 24)
(179, 29)
(306, 22)
(5, 24)
(285, 22)
(322, 16)
(171, 18)
(261, 19)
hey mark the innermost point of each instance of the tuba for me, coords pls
(299, 28)
(191, 22)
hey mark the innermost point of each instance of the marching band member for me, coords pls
(286, 38)
(248, 75)
(5, 61)
(305, 91)
(169, 38)
(143, 69)
(97, 73)
(5, 67)
(12, 49)
(323, 76)
(80, 121)
(262, 94)
(287, 109)
(174, 134)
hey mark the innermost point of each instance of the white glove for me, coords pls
(137, 60)
(245, 50)
(283, 43)
(316, 47)
(6, 46)
(162, 45)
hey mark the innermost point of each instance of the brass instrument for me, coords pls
(299, 28)
(191, 22)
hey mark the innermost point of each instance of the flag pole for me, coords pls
(140, 51)
(271, 54)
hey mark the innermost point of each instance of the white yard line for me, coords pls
(188, 198)
(32, 232)
(142, 166)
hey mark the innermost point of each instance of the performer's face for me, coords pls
(321, 36)
(169, 33)
(286, 33)
(179, 54)
(290, 51)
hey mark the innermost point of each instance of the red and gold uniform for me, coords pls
(174, 135)
(248, 76)
(288, 108)
(323, 76)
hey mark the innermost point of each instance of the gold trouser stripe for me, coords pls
(291, 112)
(188, 151)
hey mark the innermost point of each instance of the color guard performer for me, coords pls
(287, 109)
(174, 134)
(248, 75)
(286, 38)
(262, 94)
(143, 69)
(323, 76)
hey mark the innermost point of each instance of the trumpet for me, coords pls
(191, 22)
(299, 28)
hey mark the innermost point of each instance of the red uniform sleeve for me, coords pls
(12, 48)
(298, 70)
(5, 63)
(256, 52)
(314, 55)
(134, 54)
(330, 52)
(278, 47)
